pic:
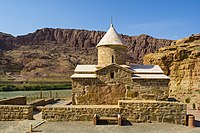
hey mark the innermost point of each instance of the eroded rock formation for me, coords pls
(181, 61)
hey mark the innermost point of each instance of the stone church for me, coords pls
(112, 80)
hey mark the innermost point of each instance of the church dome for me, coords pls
(111, 38)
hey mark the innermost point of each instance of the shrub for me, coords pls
(34, 87)
(8, 88)
(187, 100)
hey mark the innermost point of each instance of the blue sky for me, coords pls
(169, 19)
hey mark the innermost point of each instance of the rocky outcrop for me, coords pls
(1, 64)
(5, 41)
(138, 46)
(53, 52)
(181, 62)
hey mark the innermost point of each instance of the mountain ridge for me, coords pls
(58, 51)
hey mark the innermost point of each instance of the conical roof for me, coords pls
(111, 38)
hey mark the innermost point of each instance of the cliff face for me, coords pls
(55, 52)
(181, 61)
(1, 64)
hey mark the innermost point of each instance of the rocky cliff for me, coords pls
(181, 61)
(55, 52)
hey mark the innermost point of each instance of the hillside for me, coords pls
(54, 53)
(181, 61)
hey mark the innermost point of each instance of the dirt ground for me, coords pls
(88, 127)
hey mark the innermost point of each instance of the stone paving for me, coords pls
(88, 127)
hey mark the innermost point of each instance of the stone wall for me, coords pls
(148, 89)
(105, 54)
(40, 102)
(19, 100)
(78, 112)
(131, 110)
(107, 90)
(121, 75)
(15, 112)
(153, 111)
(103, 89)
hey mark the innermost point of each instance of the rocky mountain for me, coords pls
(55, 52)
(181, 61)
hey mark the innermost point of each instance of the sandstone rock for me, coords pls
(181, 62)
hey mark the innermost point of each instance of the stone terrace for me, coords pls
(131, 110)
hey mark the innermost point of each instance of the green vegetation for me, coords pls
(34, 87)
(49, 79)
(198, 91)
(187, 100)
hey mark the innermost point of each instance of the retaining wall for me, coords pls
(133, 111)
(78, 112)
(41, 102)
(153, 111)
(19, 100)
(15, 112)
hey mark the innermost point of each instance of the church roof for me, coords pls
(139, 71)
(111, 38)
(149, 76)
(77, 75)
(85, 68)
(146, 69)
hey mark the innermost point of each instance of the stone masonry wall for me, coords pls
(153, 111)
(15, 112)
(103, 89)
(107, 90)
(131, 110)
(40, 102)
(19, 100)
(78, 112)
(105, 54)
(148, 89)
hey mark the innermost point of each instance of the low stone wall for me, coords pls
(40, 102)
(49, 101)
(19, 100)
(78, 112)
(131, 110)
(153, 111)
(15, 112)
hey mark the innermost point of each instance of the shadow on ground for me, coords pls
(105, 122)
(197, 123)
(35, 112)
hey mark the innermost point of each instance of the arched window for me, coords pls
(113, 60)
